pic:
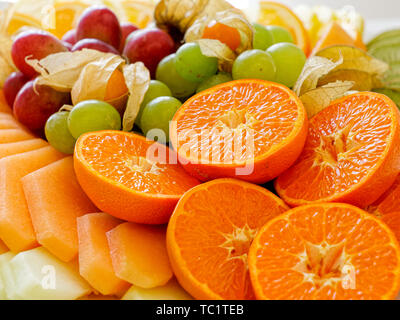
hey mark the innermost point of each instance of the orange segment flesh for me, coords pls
(209, 235)
(335, 35)
(94, 255)
(8, 149)
(266, 120)
(352, 153)
(388, 202)
(16, 228)
(139, 254)
(116, 86)
(3, 247)
(55, 200)
(393, 222)
(273, 13)
(123, 177)
(325, 251)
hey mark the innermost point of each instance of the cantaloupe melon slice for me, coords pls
(14, 135)
(39, 275)
(3, 247)
(7, 276)
(94, 255)
(16, 228)
(139, 254)
(4, 107)
(8, 124)
(55, 200)
(334, 34)
(171, 291)
(9, 149)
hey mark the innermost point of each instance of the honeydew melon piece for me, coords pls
(41, 276)
(7, 276)
(171, 291)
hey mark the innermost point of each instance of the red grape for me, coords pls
(34, 104)
(36, 44)
(99, 22)
(127, 28)
(149, 46)
(70, 37)
(13, 84)
(94, 44)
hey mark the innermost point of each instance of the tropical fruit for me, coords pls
(130, 177)
(139, 254)
(55, 200)
(210, 233)
(7, 276)
(38, 275)
(335, 35)
(171, 291)
(325, 252)
(16, 228)
(3, 247)
(94, 254)
(9, 149)
(273, 13)
(249, 129)
(352, 153)
(388, 202)
(14, 135)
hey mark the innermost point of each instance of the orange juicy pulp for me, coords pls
(224, 33)
(121, 158)
(387, 203)
(116, 86)
(393, 222)
(273, 13)
(352, 153)
(324, 252)
(20, 20)
(232, 110)
(66, 16)
(210, 232)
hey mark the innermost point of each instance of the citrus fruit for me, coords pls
(324, 252)
(352, 153)
(20, 20)
(130, 177)
(249, 129)
(67, 14)
(272, 13)
(139, 12)
(392, 220)
(209, 235)
(388, 202)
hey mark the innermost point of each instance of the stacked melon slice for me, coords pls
(55, 245)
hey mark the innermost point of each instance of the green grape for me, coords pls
(280, 34)
(93, 115)
(57, 132)
(214, 80)
(158, 113)
(289, 60)
(156, 89)
(263, 37)
(254, 64)
(167, 74)
(192, 65)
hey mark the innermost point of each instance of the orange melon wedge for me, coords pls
(14, 135)
(139, 254)
(94, 255)
(9, 149)
(16, 228)
(55, 200)
(4, 107)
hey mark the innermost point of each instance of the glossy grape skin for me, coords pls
(192, 65)
(280, 34)
(126, 28)
(99, 22)
(94, 44)
(289, 61)
(36, 44)
(35, 103)
(158, 113)
(156, 89)
(167, 74)
(263, 37)
(58, 134)
(149, 46)
(13, 85)
(214, 80)
(70, 37)
(254, 64)
(93, 115)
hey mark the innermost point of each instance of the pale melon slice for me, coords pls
(41, 276)
(7, 276)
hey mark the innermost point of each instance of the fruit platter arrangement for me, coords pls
(174, 150)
